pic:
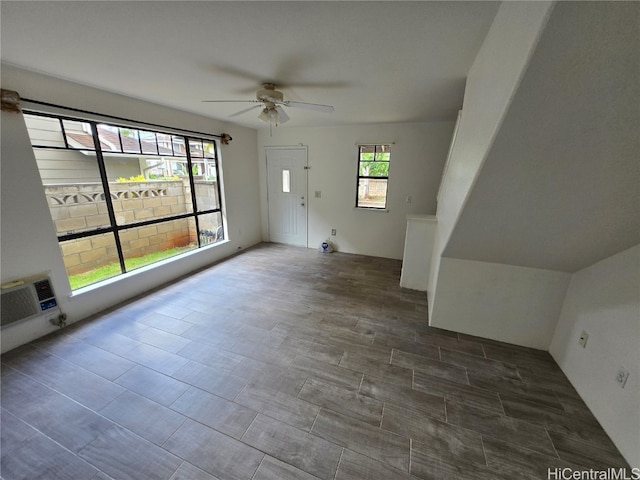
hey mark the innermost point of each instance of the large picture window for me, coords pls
(373, 176)
(121, 197)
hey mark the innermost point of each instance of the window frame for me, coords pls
(114, 227)
(372, 177)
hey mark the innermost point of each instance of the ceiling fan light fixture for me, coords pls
(282, 114)
(273, 115)
(264, 115)
(272, 101)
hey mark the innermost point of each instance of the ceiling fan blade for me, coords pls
(310, 106)
(235, 72)
(283, 115)
(245, 110)
(230, 101)
(296, 85)
(321, 85)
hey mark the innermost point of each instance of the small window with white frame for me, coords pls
(373, 176)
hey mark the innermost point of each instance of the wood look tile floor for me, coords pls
(285, 363)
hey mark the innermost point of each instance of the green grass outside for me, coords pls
(113, 269)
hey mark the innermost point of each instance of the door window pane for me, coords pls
(286, 181)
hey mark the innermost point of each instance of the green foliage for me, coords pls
(374, 169)
(141, 178)
(163, 178)
(113, 269)
(374, 160)
(127, 132)
(379, 156)
(136, 178)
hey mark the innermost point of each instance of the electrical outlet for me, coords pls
(333, 232)
(622, 376)
(582, 341)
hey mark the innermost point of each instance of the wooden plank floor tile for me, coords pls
(143, 417)
(363, 438)
(211, 380)
(153, 385)
(186, 471)
(123, 455)
(279, 363)
(355, 466)
(41, 457)
(449, 443)
(345, 400)
(279, 405)
(227, 417)
(273, 469)
(429, 366)
(69, 423)
(498, 426)
(429, 404)
(214, 452)
(457, 392)
(307, 452)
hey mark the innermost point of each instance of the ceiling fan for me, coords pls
(271, 102)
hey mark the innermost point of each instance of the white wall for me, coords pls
(417, 160)
(29, 244)
(518, 305)
(418, 244)
(492, 81)
(28, 240)
(604, 300)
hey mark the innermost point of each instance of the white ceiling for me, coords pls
(375, 62)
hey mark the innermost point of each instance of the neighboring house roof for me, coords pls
(109, 142)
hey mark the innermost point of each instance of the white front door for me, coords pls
(287, 195)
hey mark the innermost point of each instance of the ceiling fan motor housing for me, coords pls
(269, 94)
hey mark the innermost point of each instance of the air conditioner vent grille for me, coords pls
(27, 298)
(18, 304)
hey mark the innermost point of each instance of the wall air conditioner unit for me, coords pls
(28, 298)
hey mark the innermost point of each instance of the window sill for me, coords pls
(110, 281)
(365, 209)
